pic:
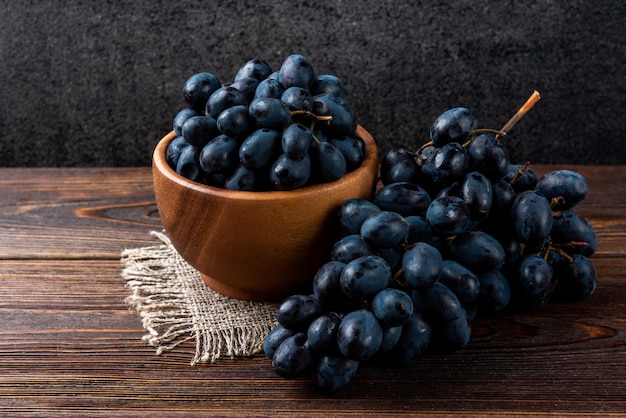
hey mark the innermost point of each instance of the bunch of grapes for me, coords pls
(267, 130)
(455, 228)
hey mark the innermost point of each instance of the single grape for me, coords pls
(198, 88)
(569, 186)
(448, 216)
(353, 212)
(289, 174)
(536, 281)
(330, 163)
(495, 291)
(269, 113)
(221, 154)
(188, 165)
(255, 68)
(488, 155)
(461, 280)
(352, 148)
(244, 179)
(365, 276)
(360, 335)
(322, 333)
(296, 140)
(421, 265)
(476, 190)
(478, 251)
(343, 120)
(404, 198)
(532, 218)
(269, 88)
(297, 311)
(297, 98)
(174, 149)
(573, 233)
(181, 117)
(391, 336)
(222, 99)
(293, 357)
(414, 339)
(453, 125)
(454, 334)
(328, 83)
(350, 248)
(577, 278)
(260, 148)
(384, 229)
(520, 177)
(326, 282)
(392, 307)
(421, 231)
(404, 170)
(332, 372)
(296, 71)
(438, 303)
(199, 130)
(236, 122)
(246, 85)
(447, 165)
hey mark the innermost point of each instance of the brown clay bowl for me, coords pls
(258, 246)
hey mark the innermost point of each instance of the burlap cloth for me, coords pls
(176, 306)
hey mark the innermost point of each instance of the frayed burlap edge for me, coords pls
(176, 306)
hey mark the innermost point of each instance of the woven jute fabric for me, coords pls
(176, 306)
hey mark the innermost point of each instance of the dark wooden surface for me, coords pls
(69, 345)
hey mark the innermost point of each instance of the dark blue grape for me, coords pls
(296, 71)
(385, 229)
(392, 307)
(353, 212)
(532, 218)
(332, 372)
(255, 68)
(405, 170)
(536, 281)
(352, 150)
(246, 85)
(328, 83)
(476, 190)
(199, 130)
(448, 216)
(322, 332)
(236, 122)
(455, 334)
(421, 265)
(404, 198)
(574, 233)
(297, 311)
(260, 148)
(330, 163)
(447, 165)
(221, 154)
(520, 177)
(181, 117)
(478, 251)
(461, 280)
(222, 99)
(392, 157)
(350, 248)
(365, 276)
(276, 336)
(269, 113)
(414, 339)
(420, 231)
(495, 291)
(438, 303)
(289, 174)
(297, 98)
(174, 149)
(326, 285)
(577, 278)
(569, 186)
(391, 336)
(269, 88)
(188, 165)
(296, 140)
(198, 88)
(360, 335)
(244, 179)
(453, 125)
(343, 121)
(293, 357)
(503, 198)
(488, 155)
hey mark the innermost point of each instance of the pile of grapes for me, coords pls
(267, 130)
(455, 228)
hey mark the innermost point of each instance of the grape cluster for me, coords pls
(267, 130)
(454, 228)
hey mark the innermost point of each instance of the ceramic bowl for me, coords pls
(257, 246)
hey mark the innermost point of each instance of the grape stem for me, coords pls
(530, 102)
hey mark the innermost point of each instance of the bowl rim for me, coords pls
(159, 163)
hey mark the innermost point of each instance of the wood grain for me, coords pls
(69, 345)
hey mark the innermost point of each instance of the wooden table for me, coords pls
(69, 345)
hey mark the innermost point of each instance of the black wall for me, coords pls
(85, 83)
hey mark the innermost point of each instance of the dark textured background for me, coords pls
(87, 83)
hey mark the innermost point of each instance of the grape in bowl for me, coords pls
(258, 246)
